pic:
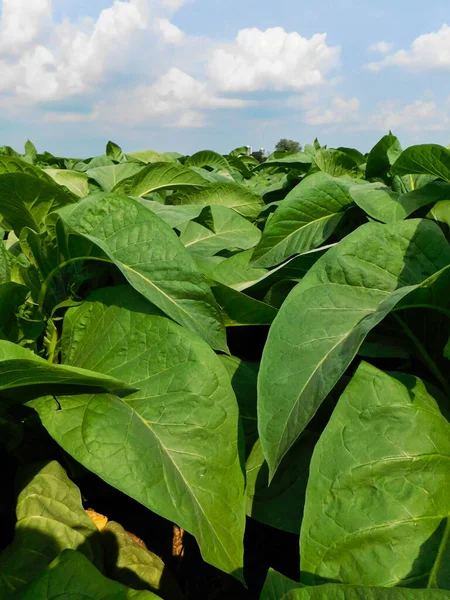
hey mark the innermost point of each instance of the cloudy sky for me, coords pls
(190, 74)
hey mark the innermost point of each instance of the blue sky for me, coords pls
(190, 74)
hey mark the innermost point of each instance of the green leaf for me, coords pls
(343, 296)
(50, 519)
(381, 203)
(74, 181)
(178, 215)
(230, 231)
(20, 368)
(348, 592)
(12, 164)
(355, 155)
(276, 586)
(298, 160)
(382, 156)
(207, 158)
(149, 156)
(232, 195)
(240, 309)
(30, 151)
(429, 159)
(160, 176)
(114, 151)
(384, 457)
(25, 201)
(236, 272)
(305, 219)
(173, 445)
(280, 504)
(334, 163)
(12, 295)
(73, 577)
(440, 212)
(127, 562)
(244, 377)
(108, 177)
(151, 257)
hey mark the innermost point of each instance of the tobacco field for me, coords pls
(222, 378)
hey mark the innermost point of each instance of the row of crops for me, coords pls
(226, 342)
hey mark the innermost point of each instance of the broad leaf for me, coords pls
(149, 156)
(151, 257)
(230, 231)
(381, 203)
(232, 195)
(178, 215)
(73, 577)
(108, 177)
(50, 519)
(21, 368)
(349, 592)
(236, 272)
(114, 151)
(382, 157)
(11, 164)
(244, 377)
(207, 158)
(240, 309)
(129, 563)
(343, 296)
(280, 504)
(74, 181)
(305, 219)
(25, 201)
(276, 586)
(334, 163)
(160, 176)
(384, 456)
(173, 445)
(429, 159)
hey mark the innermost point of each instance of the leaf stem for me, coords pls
(426, 358)
(438, 309)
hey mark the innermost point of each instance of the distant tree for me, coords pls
(285, 145)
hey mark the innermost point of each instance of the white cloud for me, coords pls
(22, 22)
(272, 59)
(428, 51)
(381, 47)
(174, 99)
(170, 32)
(419, 116)
(341, 111)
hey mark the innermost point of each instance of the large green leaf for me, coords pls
(305, 219)
(244, 377)
(230, 231)
(429, 159)
(237, 272)
(72, 577)
(108, 177)
(349, 592)
(151, 257)
(20, 368)
(129, 563)
(12, 164)
(280, 504)
(325, 319)
(232, 195)
(150, 156)
(240, 309)
(160, 176)
(173, 445)
(50, 519)
(381, 203)
(25, 201)
(383, 456)
(334, 163)
(178, 215)
(382, 156)
(207, 158)
(74, 181)
(276, 586)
